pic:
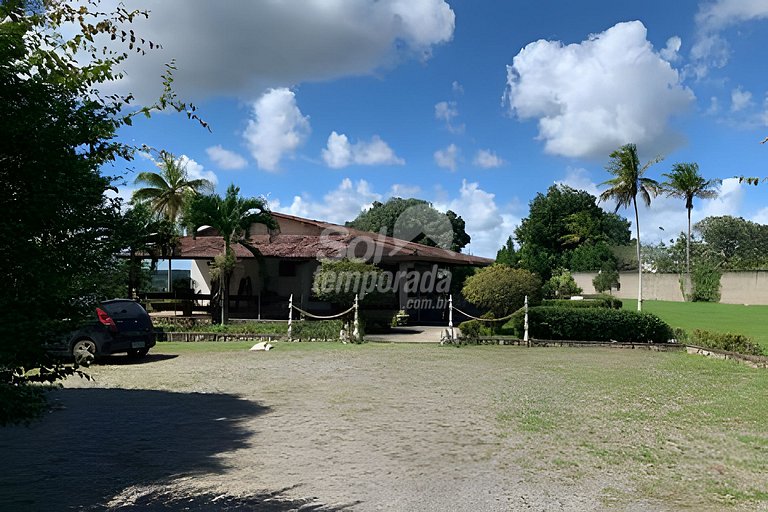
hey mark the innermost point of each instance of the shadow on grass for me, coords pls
(96, 443)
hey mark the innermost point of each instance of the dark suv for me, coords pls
(120, 325)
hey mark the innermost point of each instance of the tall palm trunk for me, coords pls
(170, 275)
(639, 261)
(688, 248)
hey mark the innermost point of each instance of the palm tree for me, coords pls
(627, 183)
(232, 216)
(167, 191)
(685, 182)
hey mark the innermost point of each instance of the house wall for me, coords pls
(735, 287)
(287, 227)
(201, 276)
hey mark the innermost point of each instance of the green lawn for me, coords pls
(735, 318)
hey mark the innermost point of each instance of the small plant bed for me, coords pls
(324, 330)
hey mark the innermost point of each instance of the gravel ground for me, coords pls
(377, 427)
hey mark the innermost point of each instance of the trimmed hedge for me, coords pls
(725, 341)
(564, 303)
(592, 324)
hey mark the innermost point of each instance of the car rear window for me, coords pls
(124, 309)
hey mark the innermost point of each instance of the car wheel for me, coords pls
(84, 351)
(138, 353)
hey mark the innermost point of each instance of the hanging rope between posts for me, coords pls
(486, 319)
(319, 317)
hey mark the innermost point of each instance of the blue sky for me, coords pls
(325, 106)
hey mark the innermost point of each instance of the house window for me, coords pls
(287, 269)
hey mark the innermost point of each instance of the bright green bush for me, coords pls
(592, 324)
(501, 289)
(561, 284)
(725, 341)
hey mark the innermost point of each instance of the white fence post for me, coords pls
(525, 325)
(290, 317)
(356, 330)
(450, 315)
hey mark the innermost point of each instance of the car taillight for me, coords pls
(106, 320)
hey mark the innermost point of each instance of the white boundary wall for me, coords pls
(735, 287)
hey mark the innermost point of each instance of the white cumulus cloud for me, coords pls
(670, 52)
(740, 99)
(338, 206)
(242, 48)
(448, 111)
(447, 158)
(710, 48)
(196, 171)
(339, 152)
(591, 97)
(488, 223)
(225, 159)
(277, 128)
(487, 159)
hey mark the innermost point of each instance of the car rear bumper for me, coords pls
(124, 344)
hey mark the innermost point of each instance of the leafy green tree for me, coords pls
(339, 281)
(561, 285)
(606, 279)
(415, 220)
(167, 192)
(589, 257)
(561, 222)
(733, 243)
(628, 182)
(232, 217)
(61, 231)
(687, 183)
(501, 290)
(507, 254)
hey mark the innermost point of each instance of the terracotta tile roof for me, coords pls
(335, 241)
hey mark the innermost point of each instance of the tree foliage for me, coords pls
(564, 227)
(339, 281)
(414, 220)
(501, 290)
(687, 183)
(561, 285)
(232, 217)
(627, 183)
(606, 280)
(734, 243)
(56, 132)
(507, 254)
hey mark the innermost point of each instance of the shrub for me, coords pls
(473, 329)
(501, 289)
(705, 282)
(609, 300)
(592, 324)
(606, 280)
(726, 341)
(561, 284)
(320, 330)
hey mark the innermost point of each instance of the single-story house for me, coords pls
(282, 263)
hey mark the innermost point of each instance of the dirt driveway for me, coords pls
(378, 427)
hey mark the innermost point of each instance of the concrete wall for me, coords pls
(735, 287)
